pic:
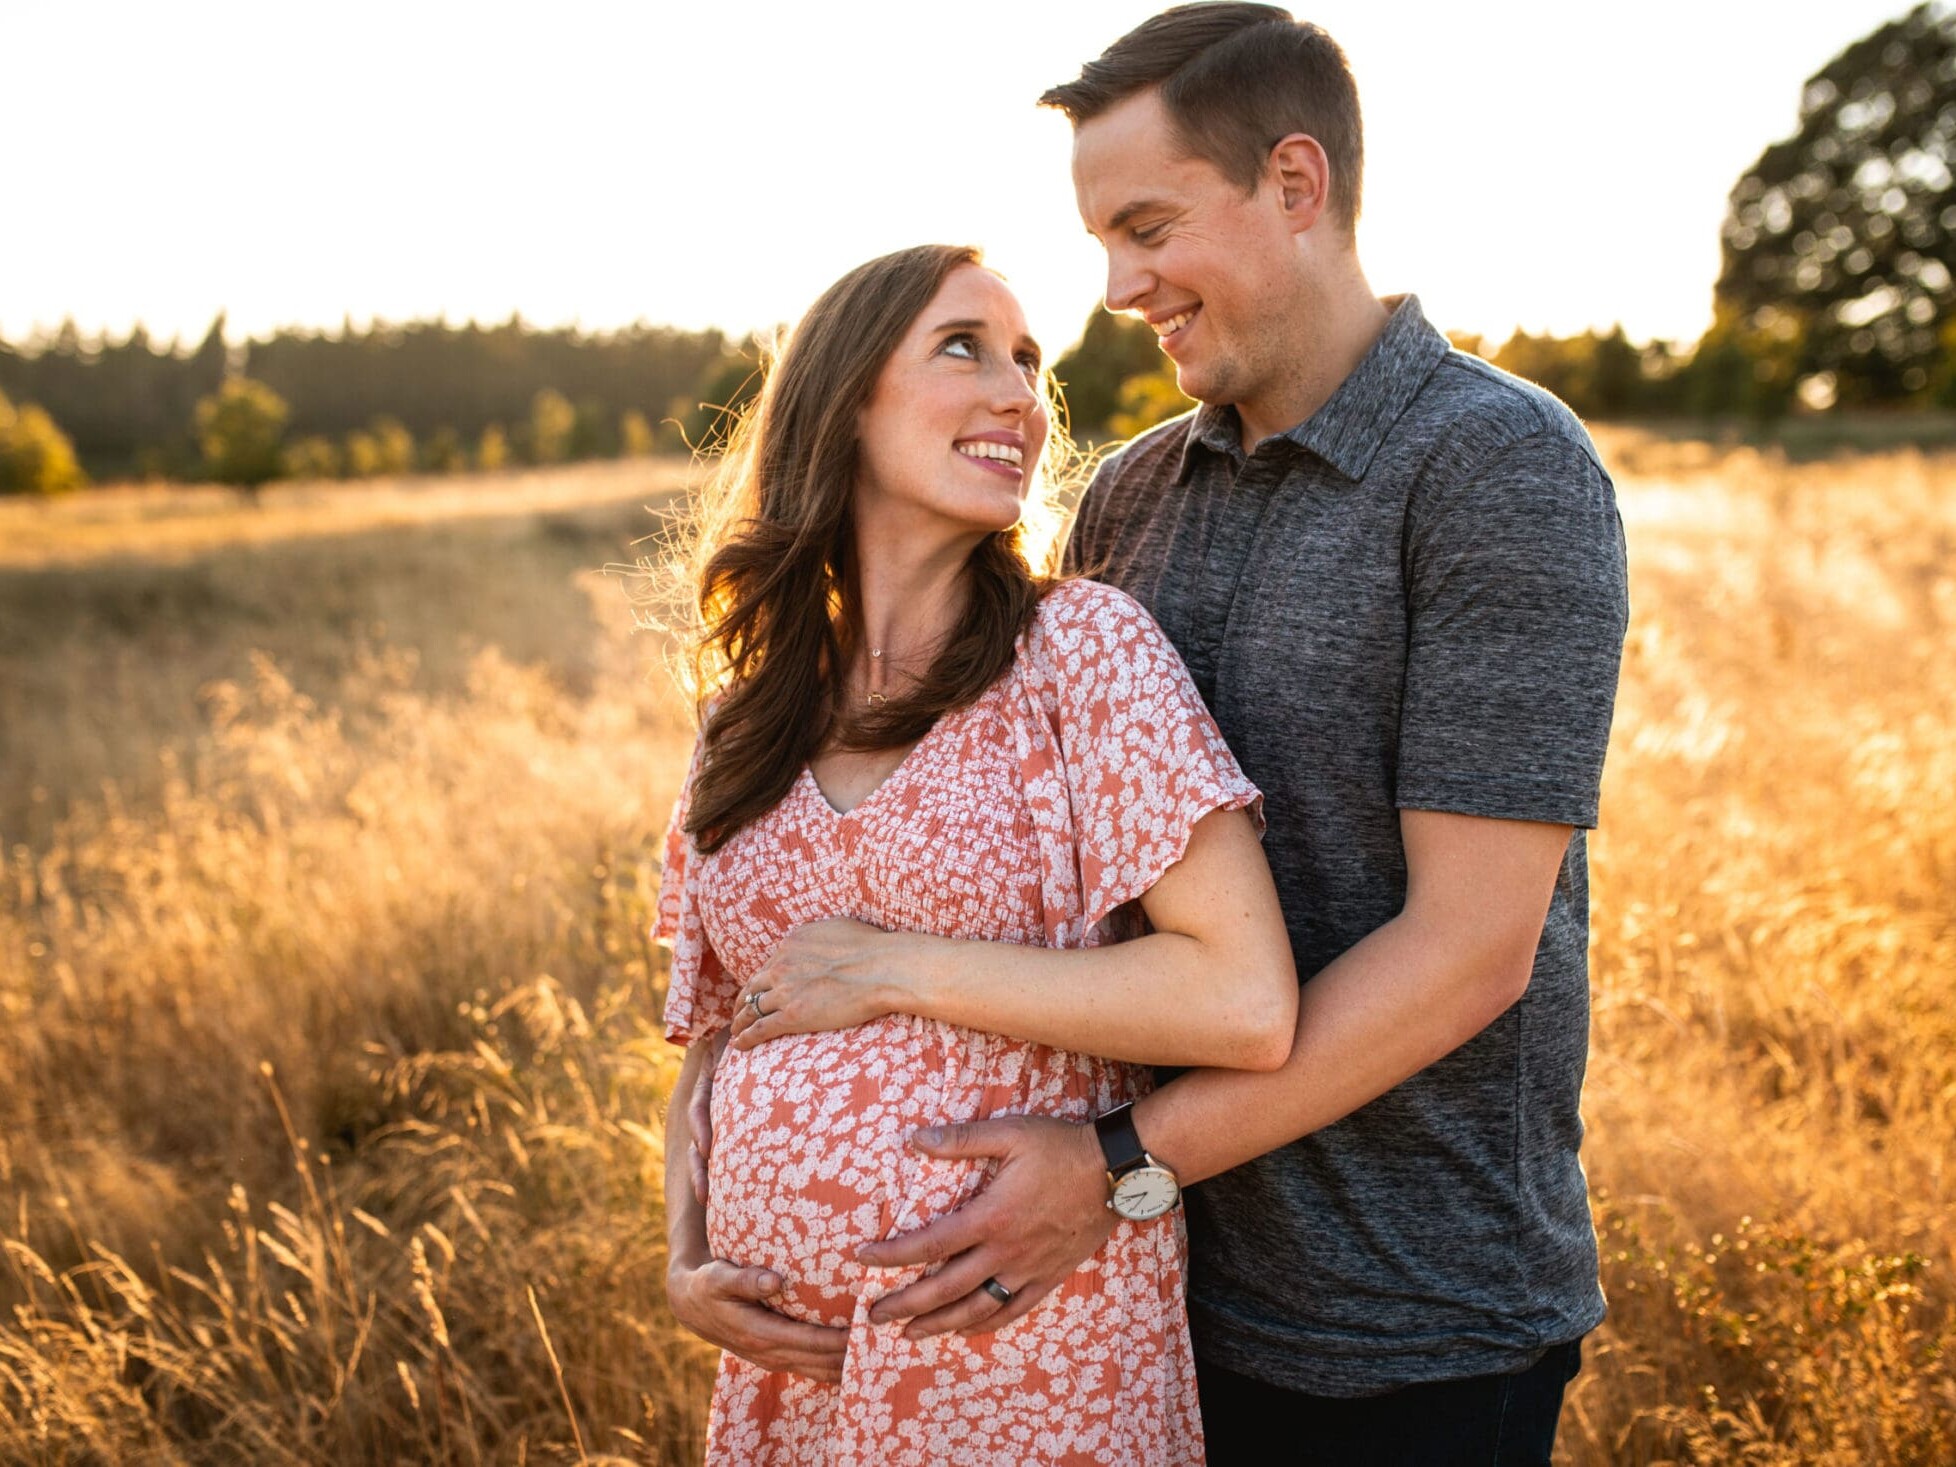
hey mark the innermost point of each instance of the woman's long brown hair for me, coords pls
(774, 596)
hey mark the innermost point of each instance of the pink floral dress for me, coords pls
(1034, 815)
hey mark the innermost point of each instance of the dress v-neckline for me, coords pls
(822, 797)
(901, 767)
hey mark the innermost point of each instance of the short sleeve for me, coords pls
(1137, 760)
(1517, 603)
(699, 995)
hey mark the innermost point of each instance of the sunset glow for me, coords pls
(1532, 163)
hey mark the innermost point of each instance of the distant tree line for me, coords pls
(425, 396)
(1836, 286)
(1118, 382)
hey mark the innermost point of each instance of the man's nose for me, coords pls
(1127, 282)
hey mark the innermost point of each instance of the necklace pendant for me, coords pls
(875, 700)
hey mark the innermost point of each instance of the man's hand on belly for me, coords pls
(1042, 1215)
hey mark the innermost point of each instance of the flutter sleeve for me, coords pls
(1120, 758)
(699, 995)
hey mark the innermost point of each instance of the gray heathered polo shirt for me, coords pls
(1415, 599)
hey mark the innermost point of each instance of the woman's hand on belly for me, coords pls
(725, 1305)
(823, 976)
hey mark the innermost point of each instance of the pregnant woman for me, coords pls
(931, 788)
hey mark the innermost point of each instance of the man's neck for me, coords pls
(1338, 320)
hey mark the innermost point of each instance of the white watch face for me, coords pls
(1146, 1192)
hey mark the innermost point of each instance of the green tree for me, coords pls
(1112, 351)
(1747, 366)
(635, 437)
(1564, 365)
(238, 431)
(492, 452)
(1616, 370)
(1850, 223)
(1147, 399)
(35, 455)
(393, 446)
(311, 457)
(594, 434)
(553, 421)
(361, 456)
(443, 453)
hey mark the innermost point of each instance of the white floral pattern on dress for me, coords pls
(1035, 815)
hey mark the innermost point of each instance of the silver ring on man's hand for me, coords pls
(754, 1003)
(997, 1290)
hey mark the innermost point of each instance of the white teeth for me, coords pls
(1003, 452)
(1173, 324)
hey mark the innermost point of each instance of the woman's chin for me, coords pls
(1003, 514)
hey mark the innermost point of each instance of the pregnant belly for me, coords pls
(809, 1157)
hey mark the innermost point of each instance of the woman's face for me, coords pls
(951, 436)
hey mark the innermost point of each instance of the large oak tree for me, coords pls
(1840, 241)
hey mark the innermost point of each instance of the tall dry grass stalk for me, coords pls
(329, 1070)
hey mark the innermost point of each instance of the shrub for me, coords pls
(362, 459)
(492, 452)
(35, 455)
(553, 421)
(635, 437)
(442, 453)
(238, 430)
(312, 457)
(393, 446)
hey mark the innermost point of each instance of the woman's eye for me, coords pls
(964, 344)
(1029, 364)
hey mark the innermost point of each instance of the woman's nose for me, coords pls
(1015, 392)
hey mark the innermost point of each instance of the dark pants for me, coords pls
(1483, 1421)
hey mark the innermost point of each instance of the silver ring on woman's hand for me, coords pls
(997, 1290)
(754, 1003)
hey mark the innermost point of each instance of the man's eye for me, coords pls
(1148, 235)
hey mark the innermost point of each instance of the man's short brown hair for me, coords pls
(1234, 79)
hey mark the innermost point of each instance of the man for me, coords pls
(1397, 577)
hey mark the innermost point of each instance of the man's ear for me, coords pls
(1301, 174)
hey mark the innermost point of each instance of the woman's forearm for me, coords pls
(1213, 984)
(1163, 999)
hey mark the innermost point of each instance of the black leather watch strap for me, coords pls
(1120, 1143)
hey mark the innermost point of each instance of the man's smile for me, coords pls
(1166, 327)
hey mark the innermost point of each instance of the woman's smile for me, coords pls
(997, 453)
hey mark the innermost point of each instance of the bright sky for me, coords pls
(1536, 162)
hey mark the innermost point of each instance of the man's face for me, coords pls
(1206, 265)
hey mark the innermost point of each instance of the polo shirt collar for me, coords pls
(1349, 429)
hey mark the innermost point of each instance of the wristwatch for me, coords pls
(1138, 1186)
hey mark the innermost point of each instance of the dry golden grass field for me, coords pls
(330, 1079)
